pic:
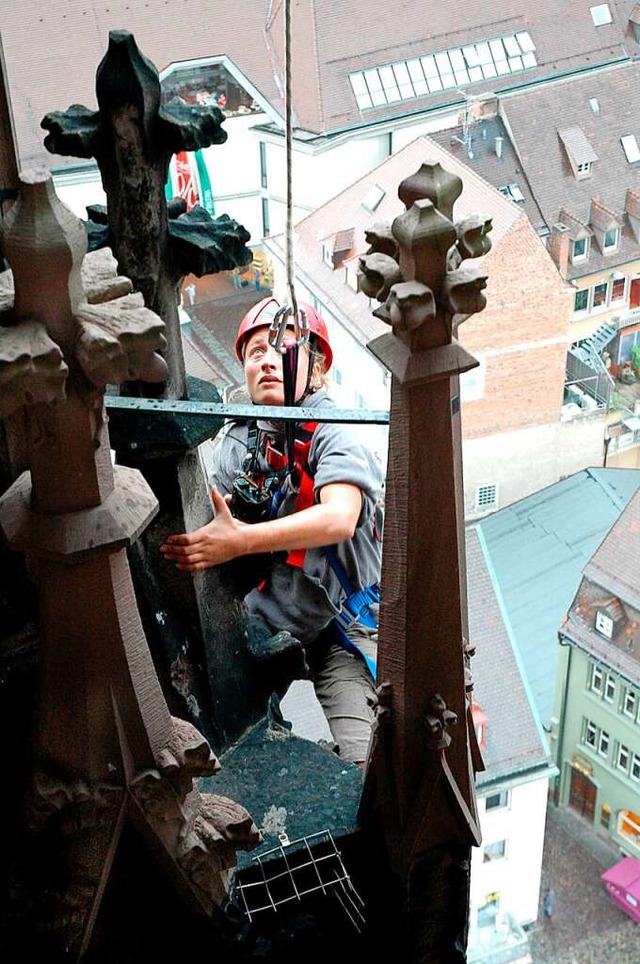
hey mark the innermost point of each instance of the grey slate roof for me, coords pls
(533, 156)
(516, 744)
(536, 550)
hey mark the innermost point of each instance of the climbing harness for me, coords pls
(264, 492)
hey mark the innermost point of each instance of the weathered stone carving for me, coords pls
(419, 781)
(104, 742)
(133, 137)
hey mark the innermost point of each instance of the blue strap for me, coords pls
(347, 643)
(355, 609)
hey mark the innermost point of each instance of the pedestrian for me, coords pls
(311, 499)
(547, 902)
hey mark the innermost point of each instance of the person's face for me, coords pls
(263, 369)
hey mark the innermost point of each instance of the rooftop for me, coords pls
(331, 44)
(536, 550)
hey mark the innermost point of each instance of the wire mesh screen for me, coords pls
(294, 871)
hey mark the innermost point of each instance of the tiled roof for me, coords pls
(622, 652)
(536, 551)
(616, 564)
(510, 750)
(353, 309)
(535, 118)
(51, 50)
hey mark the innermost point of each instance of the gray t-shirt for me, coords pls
(305, 600)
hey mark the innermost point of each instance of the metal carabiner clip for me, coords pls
(279, 325)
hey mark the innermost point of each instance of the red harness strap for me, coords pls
(306, 490)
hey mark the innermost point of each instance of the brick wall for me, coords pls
(522, 335)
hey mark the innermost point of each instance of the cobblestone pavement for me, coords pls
(586, 927)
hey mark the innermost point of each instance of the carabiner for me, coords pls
(279, 325)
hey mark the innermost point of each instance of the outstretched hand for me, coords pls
(218, 541)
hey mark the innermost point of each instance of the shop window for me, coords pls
(600, 294)
(581, 300)
(635, 767)
(495, 851)
(629, 826)
(605, 816)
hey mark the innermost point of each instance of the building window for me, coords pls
(605, 816)
(622, 757)
(579, 250)
(629, 703)
(263, 164)
(336, 375)
(603, 744)
(495, 851)
(584, 169)
(618, 288)
(604, 624)
(600, 294)
(265, 216)
(351, 275)
(635, 767)
(610, 242)
(486, 497)
(590, 734)
(596, 679)
(497, 801)
(610, 688)
(581, 301)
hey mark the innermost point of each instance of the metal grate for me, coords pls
(296, 870)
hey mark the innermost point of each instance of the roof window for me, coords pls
(601, 15)
(444, 70)
(594, 104)
(372, 198)
(512, 192)
(630, 148)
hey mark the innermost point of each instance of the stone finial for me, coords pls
(425, 287)
(133, 136)
(431, 181)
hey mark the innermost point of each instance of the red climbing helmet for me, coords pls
(261, 315)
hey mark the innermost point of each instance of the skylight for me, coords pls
(601, 15)
(594, 104)
(372, 198)
(444, 70)
(630, 148)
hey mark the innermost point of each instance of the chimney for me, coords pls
(632, 210)
(498, 142)
(559, 246)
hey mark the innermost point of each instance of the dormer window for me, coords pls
(584, 170)
(604, 624)
(579, 151)
(580, 249)
(610, 241)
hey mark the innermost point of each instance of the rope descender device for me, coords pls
(280, 323)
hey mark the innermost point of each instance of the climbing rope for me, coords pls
(289, 311)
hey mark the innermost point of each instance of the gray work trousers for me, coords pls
(344, 686)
